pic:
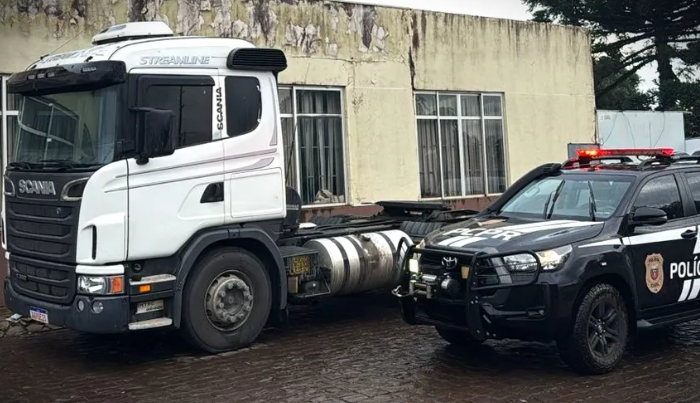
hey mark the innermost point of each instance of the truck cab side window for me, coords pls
(661, 193)
(243, 105)
(193, 108)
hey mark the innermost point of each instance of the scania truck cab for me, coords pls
(145, 188)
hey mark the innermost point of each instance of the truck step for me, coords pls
(150, 324)
(291, 251)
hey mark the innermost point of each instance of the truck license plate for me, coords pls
(149, 306)
(39, 315)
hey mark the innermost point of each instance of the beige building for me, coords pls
(378, 103)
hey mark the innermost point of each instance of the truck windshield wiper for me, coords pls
(62, 163)
(592, 209)
(21, 165)
(553, 200)
(68, 163)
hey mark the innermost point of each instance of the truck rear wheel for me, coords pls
(457, 338)
(226, 301)
(598, 339)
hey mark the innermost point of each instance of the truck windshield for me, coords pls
(585, 198)
(75, 129)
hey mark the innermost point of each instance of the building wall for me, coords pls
(379, 57)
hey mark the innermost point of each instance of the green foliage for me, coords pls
(624, 96)
(662, 32)
(658, 29)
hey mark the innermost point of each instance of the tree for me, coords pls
(657, 29)
(624, 96)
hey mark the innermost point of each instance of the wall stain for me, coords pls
(363, 21)
(80, 8)
(306, 39)
(189, 17)
(137, 10)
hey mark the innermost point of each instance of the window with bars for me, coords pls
(312, 126)
(9, 110)
(461, 144)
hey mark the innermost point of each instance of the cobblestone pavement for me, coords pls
(347, 350)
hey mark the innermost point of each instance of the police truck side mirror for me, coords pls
(156, 135)
(648, 216)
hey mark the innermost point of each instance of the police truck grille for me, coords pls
(432, 263)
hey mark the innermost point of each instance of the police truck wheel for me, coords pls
(457, 338)
(226, 301)
(598, 338)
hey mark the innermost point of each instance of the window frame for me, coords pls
(683, 192)
(295, 115)
(460, 130)
(224, 84)
(689, 190)
(141, 82)
(5, 115)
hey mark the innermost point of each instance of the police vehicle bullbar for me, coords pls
(585, 253)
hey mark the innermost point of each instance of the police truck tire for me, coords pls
(226, 301)
(457, 338)
(601, 316)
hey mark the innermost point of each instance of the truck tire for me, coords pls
(599, 335)
(457, 338)
(226, 301)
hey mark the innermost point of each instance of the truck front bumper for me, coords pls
(84, 314)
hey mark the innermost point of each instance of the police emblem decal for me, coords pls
(655, 272)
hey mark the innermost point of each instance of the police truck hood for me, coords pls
(506, 234)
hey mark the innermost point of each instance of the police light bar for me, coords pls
(618, 152)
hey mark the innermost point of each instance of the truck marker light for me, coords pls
(145, 288)
(116, 285)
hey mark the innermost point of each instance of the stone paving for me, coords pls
(14, 327)
(347, 350)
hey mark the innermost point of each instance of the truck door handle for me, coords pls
(690, 234)
(213, 193)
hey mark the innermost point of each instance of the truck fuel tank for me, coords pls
(363, 262)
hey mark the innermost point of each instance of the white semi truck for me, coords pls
(145, 188)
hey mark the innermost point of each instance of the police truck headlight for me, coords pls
(101, 285)
(552, 259)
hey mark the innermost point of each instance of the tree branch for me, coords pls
(629, 73)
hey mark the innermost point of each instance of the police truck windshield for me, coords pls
(71, 129)
(574, 197)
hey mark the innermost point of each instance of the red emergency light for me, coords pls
(619, 152)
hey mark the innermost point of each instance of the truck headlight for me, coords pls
(101, 285)
(552, 259)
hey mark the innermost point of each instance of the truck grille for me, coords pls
(51, 282)
(44, 231)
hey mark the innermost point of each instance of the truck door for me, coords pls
(661, 253)
(172, 197)
(254, 157)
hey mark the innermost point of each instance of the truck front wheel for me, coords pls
(226, 301)
(599, 336)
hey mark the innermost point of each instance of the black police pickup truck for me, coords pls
(584, 253)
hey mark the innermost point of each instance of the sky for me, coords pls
(509, 9)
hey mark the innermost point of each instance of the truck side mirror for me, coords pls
(648, 216)
(156, 136)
